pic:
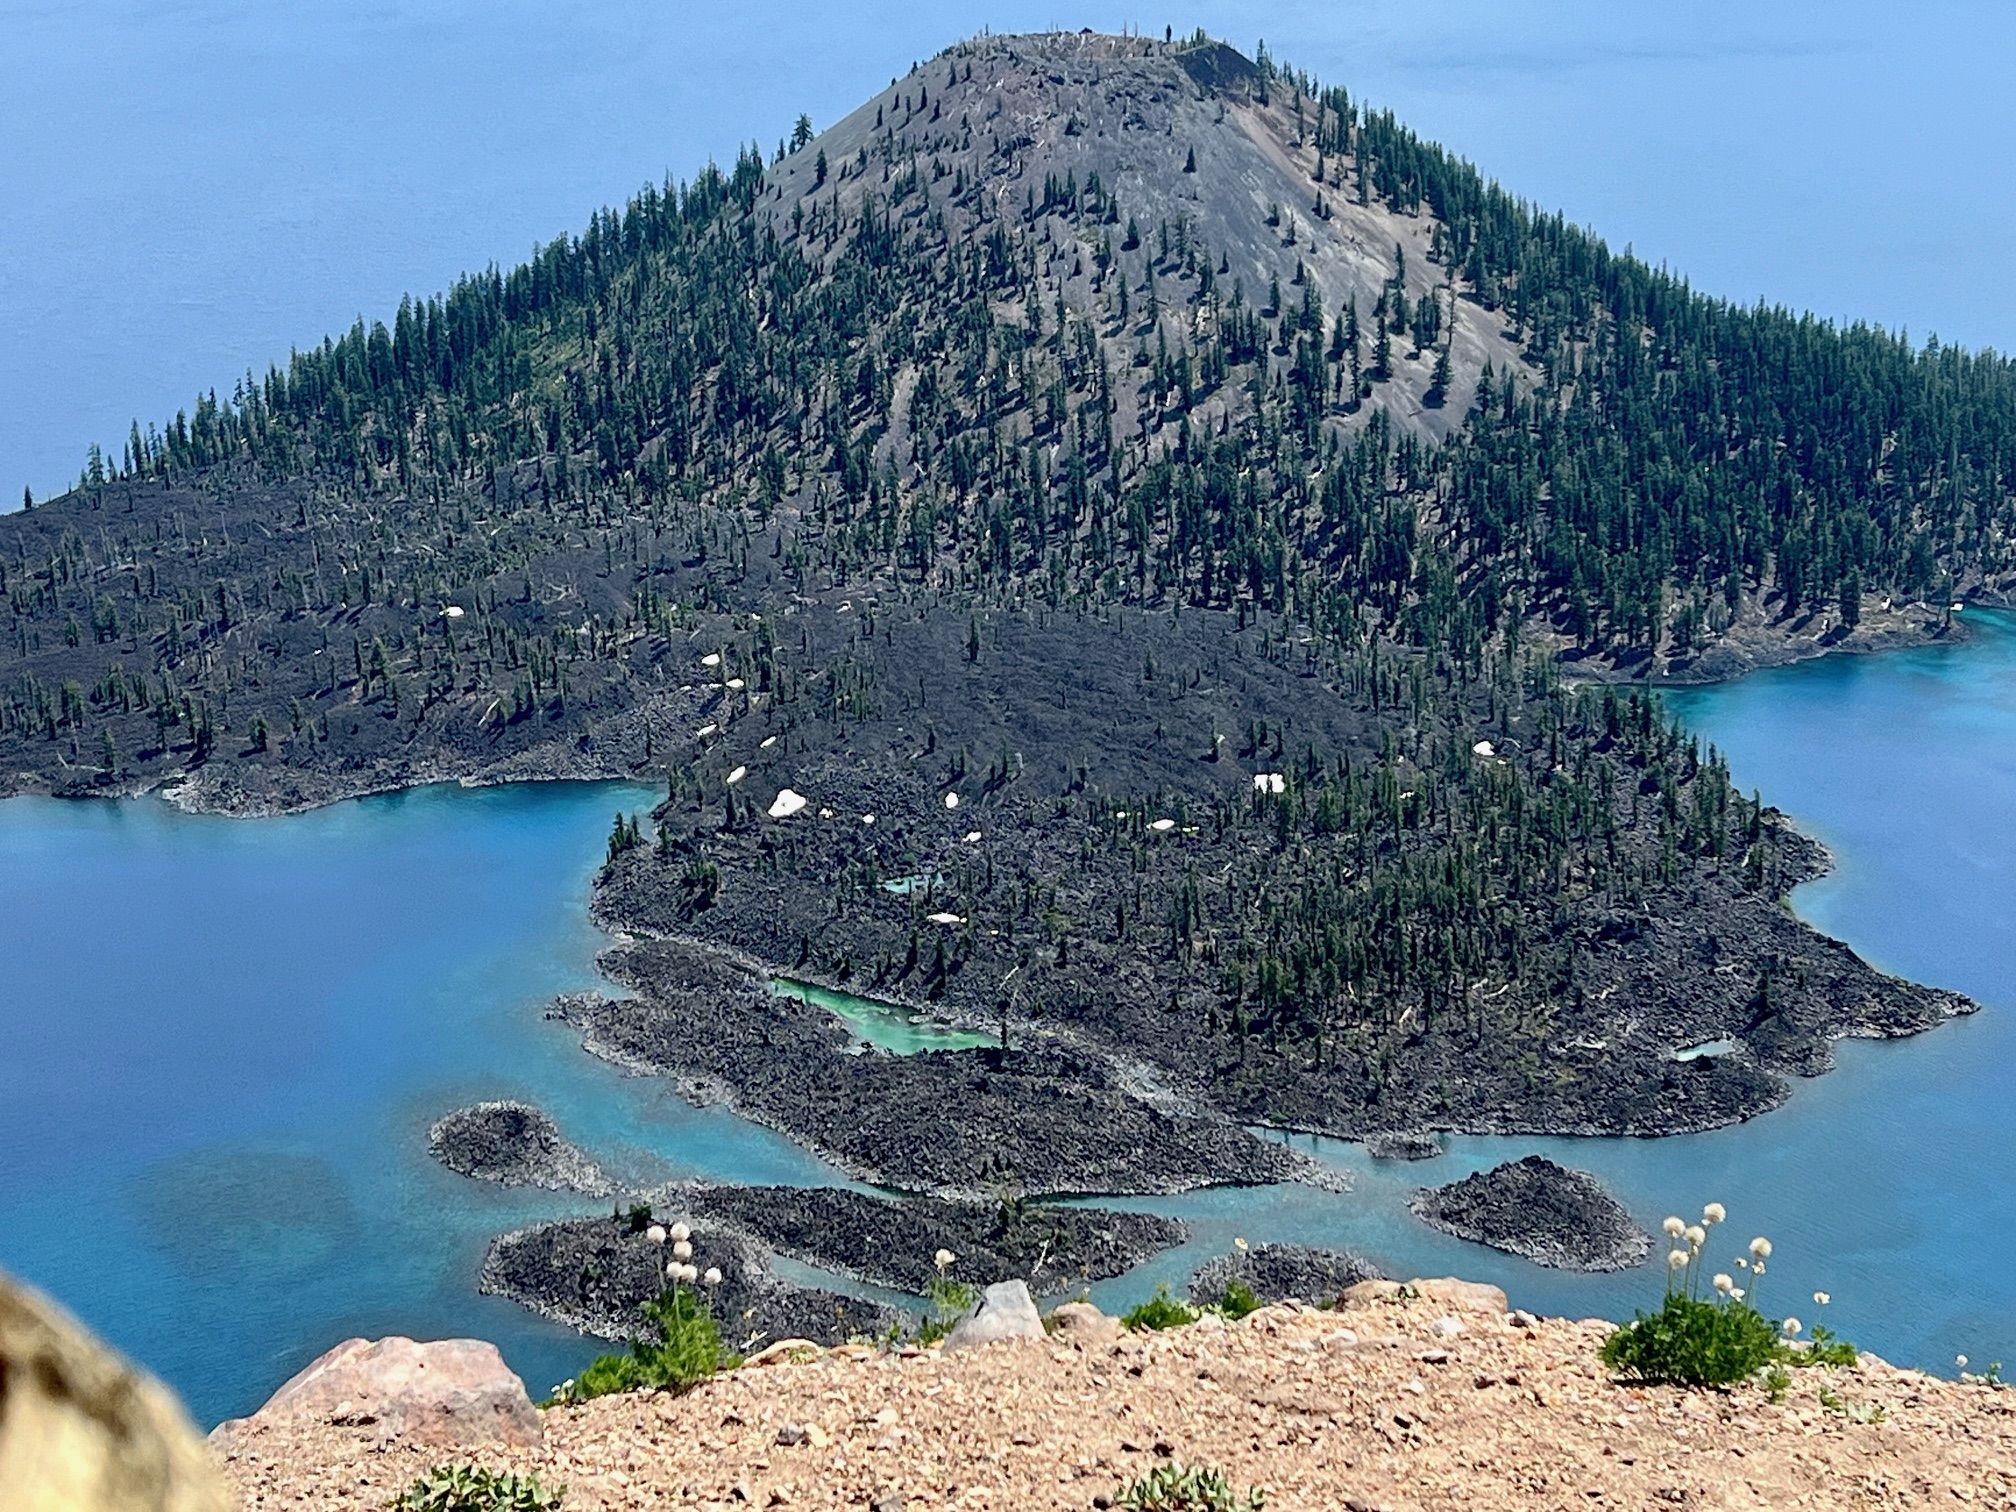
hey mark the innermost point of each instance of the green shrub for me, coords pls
(1236, 1301)
(470, 1488)
(1160, 1311)
(1689, 1342)
(949, 1301)
(687, 1350)
(1179, 1488)
(1719, 1338)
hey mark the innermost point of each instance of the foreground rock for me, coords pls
(1403, 1144)
(83, 1431)
(1543, 1211)
(895, 1243)
(1376, 1405)
(513, 1144)
(1006, 1314)
(454, 1394)
(1276, 1272)
(595, 1274)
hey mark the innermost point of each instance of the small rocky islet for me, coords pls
(1540, 1210)
(513, 1144)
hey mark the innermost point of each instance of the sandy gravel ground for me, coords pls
(1383, 1405)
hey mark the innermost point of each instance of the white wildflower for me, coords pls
(679, 1232)
(1760, 1248)
(1821, 1299)
(1723, 1284)
(1714, 1213)
(1240, 1245)
(655, 1234)
(943, 1259)
(1792, 1327)
(1696, 1236)
(713, 1275)
(1675, 1227)
(1961, 1361)
(1676, 1258)
(682, 1251)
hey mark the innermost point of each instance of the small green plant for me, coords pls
(688, 1348)
(1855, 1412)
(1160, 1311)
(1236, 1301)
(1777, 1381)
(470, 1488)
(1186, 1488)
(1991, 1377)
(948, 1300)
(1699, 1340)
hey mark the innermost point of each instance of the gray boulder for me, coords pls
(1006, 1311)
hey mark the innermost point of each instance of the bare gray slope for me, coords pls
(1014, 113)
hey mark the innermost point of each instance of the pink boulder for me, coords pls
(456, 1393)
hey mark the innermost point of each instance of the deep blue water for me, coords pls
(224, 1042)
(190, 189)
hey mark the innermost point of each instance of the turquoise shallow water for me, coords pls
(224, 1041)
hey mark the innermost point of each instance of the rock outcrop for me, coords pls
(1538, 1209)
(83, 1431)
(513, 1144)
(1276, 1272)
(454, 1394)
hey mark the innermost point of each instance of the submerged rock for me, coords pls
(1275, 1272)
(83, 1431)
(453, 1394)
(513, 1144)
(1543, 1211)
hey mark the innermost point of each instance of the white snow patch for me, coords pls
(972, 837)
(1163, 826)
(711, 659)
(786, 804)
(734, 682)
(768, 741)
(951, 800)
(706, 730)
(944, 918)
(453, 611)
(1269, 782)
(1484, 748)
(737, 775)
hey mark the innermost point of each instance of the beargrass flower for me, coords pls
(679, 1232)
(1676, 1258)
(1821, 1299)
(1714, 1213)
(1760, 1248)
(712, 1276)
(1961, 1361)
(1696, 1236)
(1723, 1284)
(1792, 1327)
(943, 1259)
(682, 1250)
(1675, 1227)
(655, 1234)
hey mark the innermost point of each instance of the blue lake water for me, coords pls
(224, 1042)
(226, 1038)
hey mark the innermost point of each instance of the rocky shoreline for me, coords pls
(1042, 1118)
(596, 1274)
(513, 1144)
(1537, 1209)
(894, 1243)
(1280, 1272)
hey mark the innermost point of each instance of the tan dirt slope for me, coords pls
(1382, 1405)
